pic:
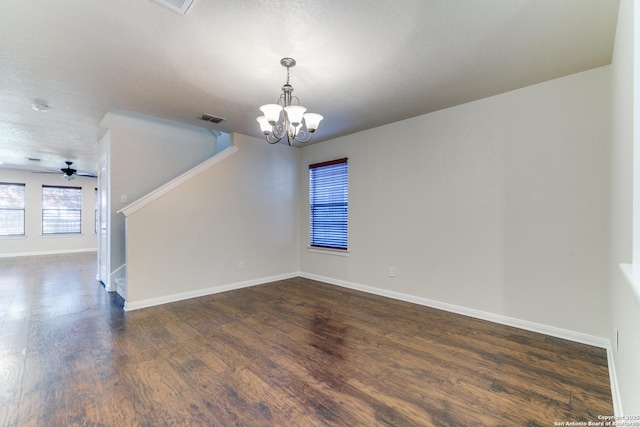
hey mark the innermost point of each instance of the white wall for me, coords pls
(144, 153)
(625, 306)
(34, 243)
(191, 240)
(499, 205)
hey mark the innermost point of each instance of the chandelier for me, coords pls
(284, 119)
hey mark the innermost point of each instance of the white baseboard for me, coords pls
(465, 311)
(613, 379)
(60, 252)
(135, 305)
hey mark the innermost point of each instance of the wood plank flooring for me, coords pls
(289, 353)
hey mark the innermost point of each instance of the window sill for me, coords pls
(16, 237)
(63, 235)
(632, 274)
(327, 251)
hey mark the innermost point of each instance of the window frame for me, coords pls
(57, 232)
(333, 238)
(23, 209)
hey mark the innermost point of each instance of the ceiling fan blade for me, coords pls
(67, 172)
(84, 174)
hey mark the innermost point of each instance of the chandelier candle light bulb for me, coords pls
(284, 119)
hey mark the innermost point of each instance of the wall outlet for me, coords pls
(240, 265)
(392, 272)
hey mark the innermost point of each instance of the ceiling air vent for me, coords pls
(180, 6)
(211, 119)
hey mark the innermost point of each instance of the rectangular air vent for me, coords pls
(211, 118)
(180, 6)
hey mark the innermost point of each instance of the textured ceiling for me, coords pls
(361, 64)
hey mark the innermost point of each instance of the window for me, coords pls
(328, 204)
(11, 209)
(61, 210)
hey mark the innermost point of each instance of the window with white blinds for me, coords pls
(12, 198)
(61, 210)
(328, 204)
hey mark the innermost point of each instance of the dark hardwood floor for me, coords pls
(290, 353)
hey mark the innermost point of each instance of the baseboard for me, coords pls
(613, 379)
(60, 252)
(465, 311)
(135, 305)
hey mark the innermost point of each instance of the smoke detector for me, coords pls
(179, 6)
(40, 107)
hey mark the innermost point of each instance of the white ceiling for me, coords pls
(361, 64)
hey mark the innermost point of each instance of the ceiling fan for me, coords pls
(70, 173)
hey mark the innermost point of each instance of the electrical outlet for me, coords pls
(392, 272)
(240, 265)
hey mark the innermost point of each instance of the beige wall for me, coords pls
(35, 243)
(499, 205)
(243, 209)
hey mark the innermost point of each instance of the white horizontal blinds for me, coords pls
(328, 199)
(61, 210)
(12, 198)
